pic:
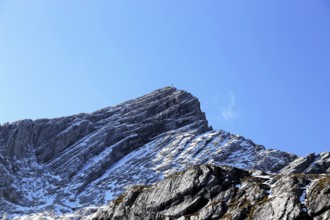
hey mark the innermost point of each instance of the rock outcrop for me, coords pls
(211, 192)
(312, 164)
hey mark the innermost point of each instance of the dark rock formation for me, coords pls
(210, 192)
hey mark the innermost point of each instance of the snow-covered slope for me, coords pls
(60, 165)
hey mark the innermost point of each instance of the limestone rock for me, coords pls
(312, 164)
(211, 192)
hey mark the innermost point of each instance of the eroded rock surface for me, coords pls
(211, 192)
(312, 163)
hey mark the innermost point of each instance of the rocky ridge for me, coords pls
(58, 166)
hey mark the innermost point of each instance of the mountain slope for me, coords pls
(60, 165)
(211, 192)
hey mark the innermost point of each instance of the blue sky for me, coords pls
(260, 68)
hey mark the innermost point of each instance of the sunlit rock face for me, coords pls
(211, 192)
(66, 166)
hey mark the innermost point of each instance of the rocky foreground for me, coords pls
(211, 192)
(65, 168)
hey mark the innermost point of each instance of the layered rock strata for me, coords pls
(211, 192)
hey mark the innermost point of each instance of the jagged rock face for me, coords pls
(211, 192)
(318, 195)
(182, 194)
(316, 164)
(57, 166)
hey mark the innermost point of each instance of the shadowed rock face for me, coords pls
(56, 166)
(210, 192)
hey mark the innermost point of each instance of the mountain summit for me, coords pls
(56, 167)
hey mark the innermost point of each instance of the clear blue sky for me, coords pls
(260, 68)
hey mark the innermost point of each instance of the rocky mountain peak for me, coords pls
(82, 147)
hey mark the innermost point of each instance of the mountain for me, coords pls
(68, 166)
